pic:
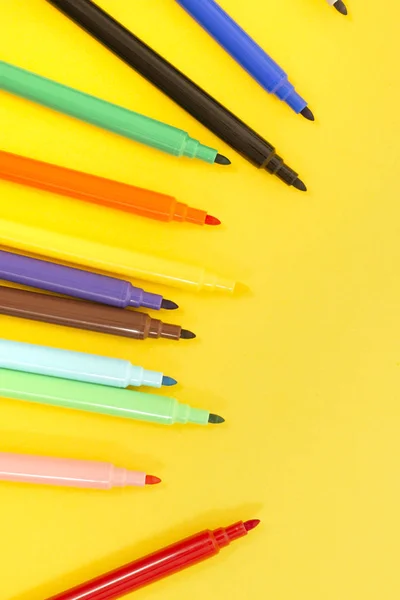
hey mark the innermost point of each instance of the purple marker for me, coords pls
(77, 283)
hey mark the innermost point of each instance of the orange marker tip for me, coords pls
(249, 525)
(210, 220)
(152, 480)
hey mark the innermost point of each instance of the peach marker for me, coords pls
(25, 468)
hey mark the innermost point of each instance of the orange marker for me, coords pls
(99, 190)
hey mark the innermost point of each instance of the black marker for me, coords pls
(178, 87)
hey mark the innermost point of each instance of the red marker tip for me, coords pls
(152, 480)
(249, 525)
(210, 220)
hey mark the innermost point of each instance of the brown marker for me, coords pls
(85, 315)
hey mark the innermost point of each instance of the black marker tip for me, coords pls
(220, 159)
(187, 335)
(215, 419)
(341, 7)
(168, 381)
(307, 114)
(169, 305)
(299, 185)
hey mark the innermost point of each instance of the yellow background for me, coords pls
(305, 368)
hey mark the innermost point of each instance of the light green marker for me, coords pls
(100, 399)
(104, 114)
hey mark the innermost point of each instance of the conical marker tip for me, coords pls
(299, 185)
(169, 305)
(307, 114)
(210, 220)
(251, 524)
(220, 159)
(187, 335)
(168, 381)
(152, 480)
(215, 419)
(340, 7)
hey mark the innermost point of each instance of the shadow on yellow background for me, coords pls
(305, 368)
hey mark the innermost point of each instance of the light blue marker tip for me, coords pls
(168, 381)
(79, 366)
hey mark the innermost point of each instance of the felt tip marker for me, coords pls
(79, 366)
(339, 5)
(101, 399)
(103, 114)
(177, 86)
(110, 259)
(98, 190)
(246, 52)
(67, 472)
(77, 283)
(87, 316)
(160, 564)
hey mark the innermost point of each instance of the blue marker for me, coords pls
(246, 52)
(79, 366)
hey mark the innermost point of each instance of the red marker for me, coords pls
(156, 566)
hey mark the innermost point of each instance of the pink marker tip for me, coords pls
(210, 220)
(152, 480)
(249, 525)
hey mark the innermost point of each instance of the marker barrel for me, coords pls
(101, 113)
(126, 263)
(77, 283)
(99, 399)
(66, 472)
(244, 50)
(79, 366)
(84, 315)
(97, 190)
(156, 566)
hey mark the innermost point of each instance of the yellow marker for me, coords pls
(110, 259)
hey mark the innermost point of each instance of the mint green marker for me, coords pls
(100, 399)
(104, 114)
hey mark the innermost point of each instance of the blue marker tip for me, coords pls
(168, 381)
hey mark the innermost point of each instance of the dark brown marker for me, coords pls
(87, 316)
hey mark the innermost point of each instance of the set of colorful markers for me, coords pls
(95, 383)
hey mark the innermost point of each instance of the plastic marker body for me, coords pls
(90, 368)
(25, 468)
(160, 564)
(110, 259)
(97, 190)
(68, 281)
(244, 50)
(85, 315)
(182, 90)
(100, 399)
(101, 113)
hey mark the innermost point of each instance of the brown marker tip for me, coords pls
(187, 335)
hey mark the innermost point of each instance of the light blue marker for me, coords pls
(79, 366)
